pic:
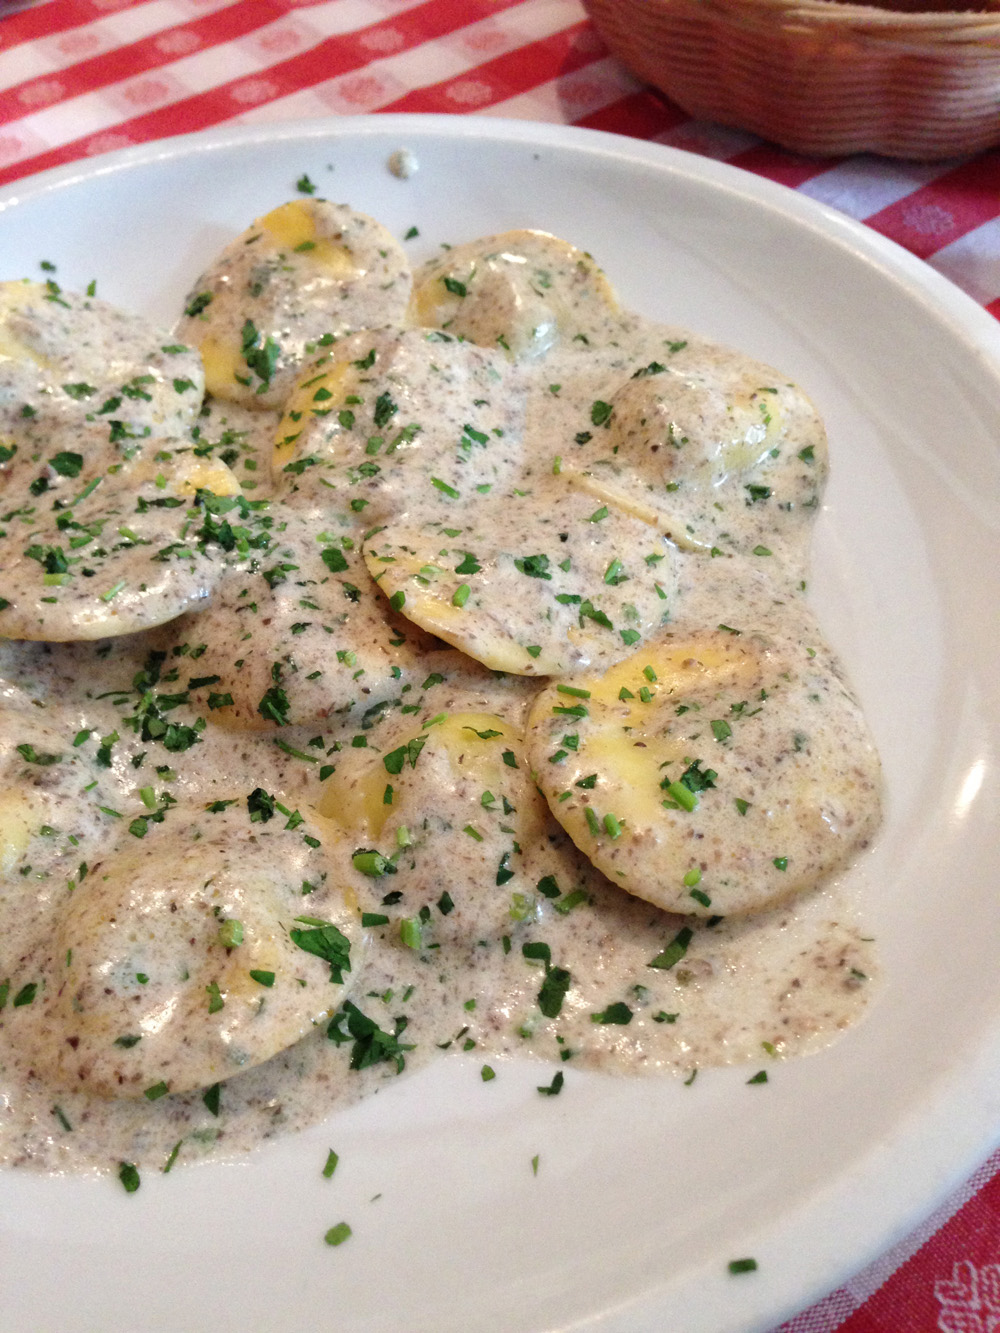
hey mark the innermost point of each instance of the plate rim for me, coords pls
(969, 323)
(774, 194)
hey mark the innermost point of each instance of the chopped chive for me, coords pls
(371, 863)
(410, 932)
(674, 951)
(682, 796)
(572, 689)
(113, 591)
(231, 934)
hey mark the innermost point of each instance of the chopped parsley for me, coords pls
(618, 1013)
(323, 939)
(372, 1045)
(129, 1176)
(554, 1088)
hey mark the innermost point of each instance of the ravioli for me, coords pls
(297, 632)
(697, 776)
(546, 583)
(67, 360)
(305, 273)
(118, 551)
(449, 818)
(692, 449)
(98, 474)
(384, 414)
(159, 984)
(45, 821)
(523, 291)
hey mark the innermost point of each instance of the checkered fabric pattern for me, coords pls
(83, 77)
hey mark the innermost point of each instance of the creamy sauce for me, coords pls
(477, 706)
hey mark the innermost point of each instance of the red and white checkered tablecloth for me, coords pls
(83, 77)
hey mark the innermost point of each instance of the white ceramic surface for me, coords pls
(645, 1189)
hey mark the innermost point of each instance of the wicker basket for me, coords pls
(904, 79)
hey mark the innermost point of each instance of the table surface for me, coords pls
(83, 77)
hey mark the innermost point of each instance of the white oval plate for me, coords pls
(645, 1189)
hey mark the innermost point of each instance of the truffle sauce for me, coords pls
(477, 707)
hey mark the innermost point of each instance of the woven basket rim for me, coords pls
(877, 22)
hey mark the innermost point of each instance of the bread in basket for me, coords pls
(901, 78)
